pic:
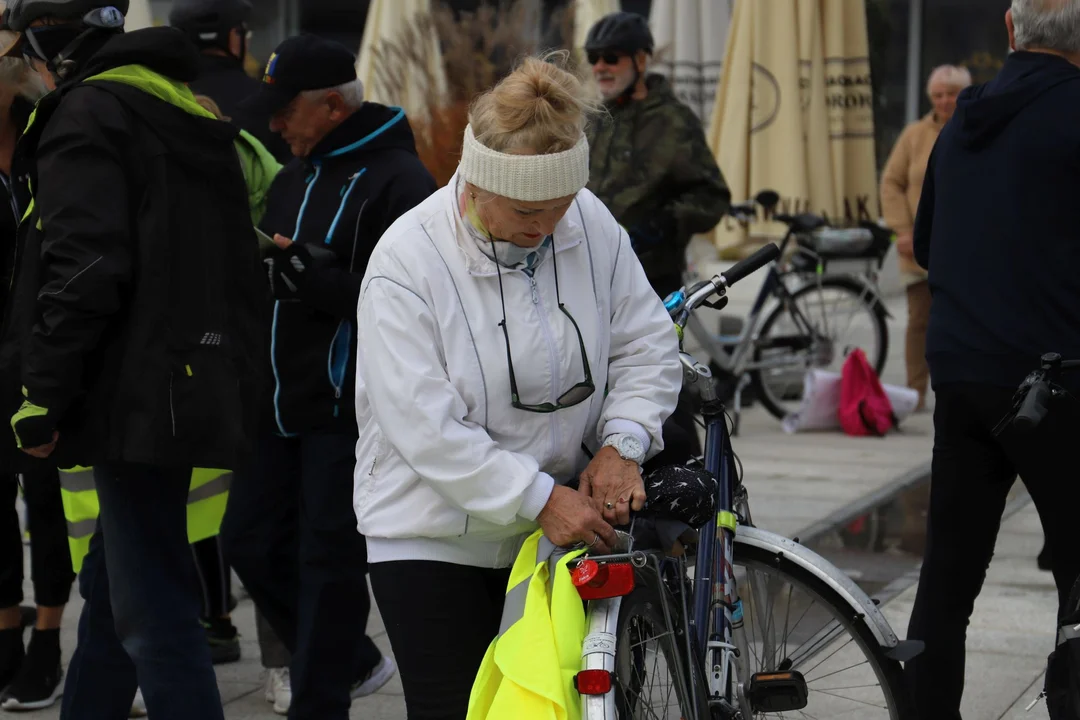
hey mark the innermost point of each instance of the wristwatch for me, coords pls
(628, 446)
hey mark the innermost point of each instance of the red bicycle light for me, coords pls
(598, 582)
(593, 682)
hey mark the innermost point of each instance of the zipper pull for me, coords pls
(535, 294)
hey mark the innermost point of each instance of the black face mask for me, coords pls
(46, 42)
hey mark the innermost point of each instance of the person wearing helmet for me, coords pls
(134, 329)
(219, 29)
(650, 164)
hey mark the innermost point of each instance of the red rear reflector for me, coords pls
(593, 682)
(598, 582)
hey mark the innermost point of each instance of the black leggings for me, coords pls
(50, 557)
(440, 618)
(215, 578)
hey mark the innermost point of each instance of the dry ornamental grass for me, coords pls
(478, 49)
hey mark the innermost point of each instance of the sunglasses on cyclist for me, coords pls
(578, 393)
(609, 58)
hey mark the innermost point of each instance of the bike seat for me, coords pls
(743, 211)
(803, 222)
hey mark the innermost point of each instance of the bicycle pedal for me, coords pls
(777, 692)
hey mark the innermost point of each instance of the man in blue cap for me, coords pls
(290, 532)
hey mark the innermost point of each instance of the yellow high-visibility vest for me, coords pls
(528, 671)
(207, 498)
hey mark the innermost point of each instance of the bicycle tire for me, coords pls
(850, 285)
(645, 602)
(888, 671)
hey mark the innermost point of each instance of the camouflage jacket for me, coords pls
(651, 166)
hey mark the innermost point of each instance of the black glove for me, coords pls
(289, 269)
(32, 425)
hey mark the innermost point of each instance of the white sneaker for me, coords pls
(379, 676)
(279, 690)
(138, 706)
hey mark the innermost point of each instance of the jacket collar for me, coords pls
(568, 234)
(340, 140)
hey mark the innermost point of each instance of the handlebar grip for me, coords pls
(755, 262)
(1033, 408)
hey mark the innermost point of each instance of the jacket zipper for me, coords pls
(553, 359)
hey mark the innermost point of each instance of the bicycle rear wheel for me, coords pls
(817, 328)
(651, 678)
(792, 621)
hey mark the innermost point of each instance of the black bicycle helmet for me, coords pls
(20, 14)
(677, 492)
(207, 20)
(620, 31)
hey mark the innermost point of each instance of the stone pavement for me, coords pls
(795, 483)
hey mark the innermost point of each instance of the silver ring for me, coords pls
(609, 506)
(596, 539)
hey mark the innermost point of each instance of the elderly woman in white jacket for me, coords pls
(507, 333)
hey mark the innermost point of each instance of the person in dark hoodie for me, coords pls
(136, 326)
(996, 229)
(219, 29)
(289, 531)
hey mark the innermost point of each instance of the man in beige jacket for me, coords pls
(901, 186)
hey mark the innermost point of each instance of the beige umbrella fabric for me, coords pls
(690, 37)
(392, 29)
(138, 16)
(586, 13)
(794, 114)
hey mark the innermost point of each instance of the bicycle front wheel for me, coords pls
(816, 328)
(792, 621)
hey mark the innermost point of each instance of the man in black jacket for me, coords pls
(219, 29)
(356, 171)
(997, 231)
(136, 319)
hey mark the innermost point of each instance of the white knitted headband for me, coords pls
(525, 177)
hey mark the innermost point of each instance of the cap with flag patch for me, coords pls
(304, 62)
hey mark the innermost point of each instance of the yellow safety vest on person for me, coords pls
(207, 498)
(528, 671)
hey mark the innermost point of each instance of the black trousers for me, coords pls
(972, 472)
(290, 534)
(439, 635)
(215, 578)
(50, 558)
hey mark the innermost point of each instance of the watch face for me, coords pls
(631, 447)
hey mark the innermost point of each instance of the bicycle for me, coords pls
(773, 351)
(645, 606)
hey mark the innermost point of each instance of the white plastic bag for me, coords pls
(821, 403)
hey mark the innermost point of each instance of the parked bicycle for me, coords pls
(817, 319)
(746, 622)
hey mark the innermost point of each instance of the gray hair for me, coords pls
(16, 74)
(954, 76)
(1047, 24)
(352, 92)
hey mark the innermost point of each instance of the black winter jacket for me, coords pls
(356, 183)
(136, 314)
(223, 80)
(997, 229)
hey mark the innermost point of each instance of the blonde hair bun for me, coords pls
(538, 109)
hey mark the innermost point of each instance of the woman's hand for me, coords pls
(570, 517)
(905, 244)
(614, 484)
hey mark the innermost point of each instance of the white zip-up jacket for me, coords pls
(446, 468)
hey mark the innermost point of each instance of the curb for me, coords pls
(838, 518)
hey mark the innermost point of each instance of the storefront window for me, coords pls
(887, 27)
(964, 32)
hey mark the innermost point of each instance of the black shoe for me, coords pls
(12, 652)
(224, 640)
(38, 684)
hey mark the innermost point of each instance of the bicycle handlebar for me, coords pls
(681, 303)
(755, 262)
(1033, 398)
